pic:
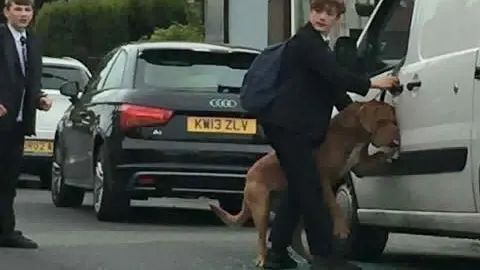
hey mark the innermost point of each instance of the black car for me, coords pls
(38, 149)
(157, 120)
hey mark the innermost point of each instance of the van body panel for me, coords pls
(436, 184)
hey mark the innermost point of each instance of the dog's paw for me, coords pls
(341, 229)
(259, 261)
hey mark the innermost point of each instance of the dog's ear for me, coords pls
(348, 117)
(367, 115)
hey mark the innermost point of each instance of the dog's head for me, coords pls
(379, 120)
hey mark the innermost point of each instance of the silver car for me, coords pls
(38, 149)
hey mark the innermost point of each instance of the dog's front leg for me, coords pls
(340, 227)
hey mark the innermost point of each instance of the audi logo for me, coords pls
(223, 103)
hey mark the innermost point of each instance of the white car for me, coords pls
(433, 188)
(38, 149)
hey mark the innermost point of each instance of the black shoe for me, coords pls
(17, 240)
(279, 260)
(321, 263)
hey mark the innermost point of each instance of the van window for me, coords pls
(386, 43)
(447, 26)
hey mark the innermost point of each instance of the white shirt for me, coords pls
(16, 37)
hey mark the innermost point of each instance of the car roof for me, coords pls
(65, 61)
(188, 45)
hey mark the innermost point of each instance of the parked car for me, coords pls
(157, 119)
(433, 187)
(39, 149)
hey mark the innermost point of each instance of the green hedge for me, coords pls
(177, 32)
(89, 28)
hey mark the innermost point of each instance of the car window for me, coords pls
(387, 39)
(101, 71)
(53, 76)
(191, 70)
(114, 78)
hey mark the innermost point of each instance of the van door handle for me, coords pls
(477, 73)
(411, 85)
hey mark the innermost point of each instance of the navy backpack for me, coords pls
(260, 83)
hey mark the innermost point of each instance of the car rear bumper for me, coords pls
(161, 168)
(36, 164)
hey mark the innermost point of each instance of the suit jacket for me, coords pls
(313, 82)
(12, 81)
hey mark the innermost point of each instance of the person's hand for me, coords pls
(3, 110)
(384, 82)
(45, 103)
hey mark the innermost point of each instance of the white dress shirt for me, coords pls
(16, 37)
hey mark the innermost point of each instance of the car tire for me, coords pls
(365, 243)
(62, 194)
(110, 201)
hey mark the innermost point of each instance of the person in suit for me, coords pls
(20, 96)
(296, 122)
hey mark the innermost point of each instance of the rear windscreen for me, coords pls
(54, 76)
(191, 70)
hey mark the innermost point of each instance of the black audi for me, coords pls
(157, 120)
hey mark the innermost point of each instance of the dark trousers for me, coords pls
(11, 157)
(304, 197)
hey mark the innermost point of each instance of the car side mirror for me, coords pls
(70, 89)
(346, 53)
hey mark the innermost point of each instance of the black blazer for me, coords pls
(313, 83)
(12, 81)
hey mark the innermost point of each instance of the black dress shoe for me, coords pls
(17, 240)
(279, 260)
(322, 263)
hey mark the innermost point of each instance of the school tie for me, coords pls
(23, 42)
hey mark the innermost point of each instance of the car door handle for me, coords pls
(412, 85)
(477, 73)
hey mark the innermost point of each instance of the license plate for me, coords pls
(221, 125)
(43, 147)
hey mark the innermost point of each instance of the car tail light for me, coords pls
(138, 116)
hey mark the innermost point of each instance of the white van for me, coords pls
(433, 188)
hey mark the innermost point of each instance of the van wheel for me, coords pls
(62, 194)
(364, 243)
(110, 201)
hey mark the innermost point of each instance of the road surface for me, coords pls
(171, 239)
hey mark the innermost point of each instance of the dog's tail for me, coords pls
(229, 219)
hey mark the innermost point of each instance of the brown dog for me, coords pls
(345, 148)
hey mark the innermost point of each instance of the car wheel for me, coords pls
(62, 194)
(110, 201)
(364, 243)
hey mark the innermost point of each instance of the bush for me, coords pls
(177, 32)
(90, 28)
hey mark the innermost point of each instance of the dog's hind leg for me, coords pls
(260, 215)
(297, 244)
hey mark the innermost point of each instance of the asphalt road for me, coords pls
(171, 239)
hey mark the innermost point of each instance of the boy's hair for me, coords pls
(8, 3)
(320, 5)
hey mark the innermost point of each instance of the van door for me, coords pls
(435, 112)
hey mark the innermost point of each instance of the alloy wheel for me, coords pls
(56, 174)
(98, 187)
